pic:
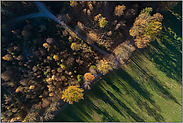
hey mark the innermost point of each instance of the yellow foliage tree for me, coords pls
(46, 45)
(102, 22)
(89, 77)
(141, 22)
(56, 57)
(146, 28)
(75, 46)
(72, 93)
(104, 67)
(153, 29)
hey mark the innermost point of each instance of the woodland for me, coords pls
(51, 52)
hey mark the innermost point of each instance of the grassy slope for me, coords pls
(149, 89)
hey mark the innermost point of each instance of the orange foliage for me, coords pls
(89, 76)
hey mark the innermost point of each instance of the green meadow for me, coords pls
(148, 89)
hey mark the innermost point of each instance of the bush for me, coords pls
(72, 93)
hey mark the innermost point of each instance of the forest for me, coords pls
(52, 52)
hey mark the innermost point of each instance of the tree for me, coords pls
(89, 77)
(141, 22)
(123, 51)
(119, 10)
(7, 57)
(102, 22)
(104, 67)
(72, 93)
(146, 28)
(142, 41)
(75, 46)
(153, 29)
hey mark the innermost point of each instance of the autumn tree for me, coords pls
(119, 10)
(141, 22)
(75, 46)
(104, 66)
(142, 41)
(153, 29)
(146, 28)
(72, 93)
(123, 51)
(89, 77)
(102, 22)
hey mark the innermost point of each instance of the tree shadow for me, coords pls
(129, 81)
(168, 59)
(166, 51)
(155, 82)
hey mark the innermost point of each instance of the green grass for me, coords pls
(148, 89)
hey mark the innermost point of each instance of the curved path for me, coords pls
(43, 12)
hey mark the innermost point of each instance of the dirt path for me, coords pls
(45, 13)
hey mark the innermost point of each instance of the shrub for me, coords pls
(89, 77)
(72, 93)
(102, 22)
(146, 10)
(119, 10)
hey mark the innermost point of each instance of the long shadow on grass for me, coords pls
(142, 92)
(156, 84)
(113, 107)
(166, 52)
(134, 90)
(167, 58)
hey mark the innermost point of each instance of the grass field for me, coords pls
(148, 89)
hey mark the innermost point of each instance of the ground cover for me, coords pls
(148, 89)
